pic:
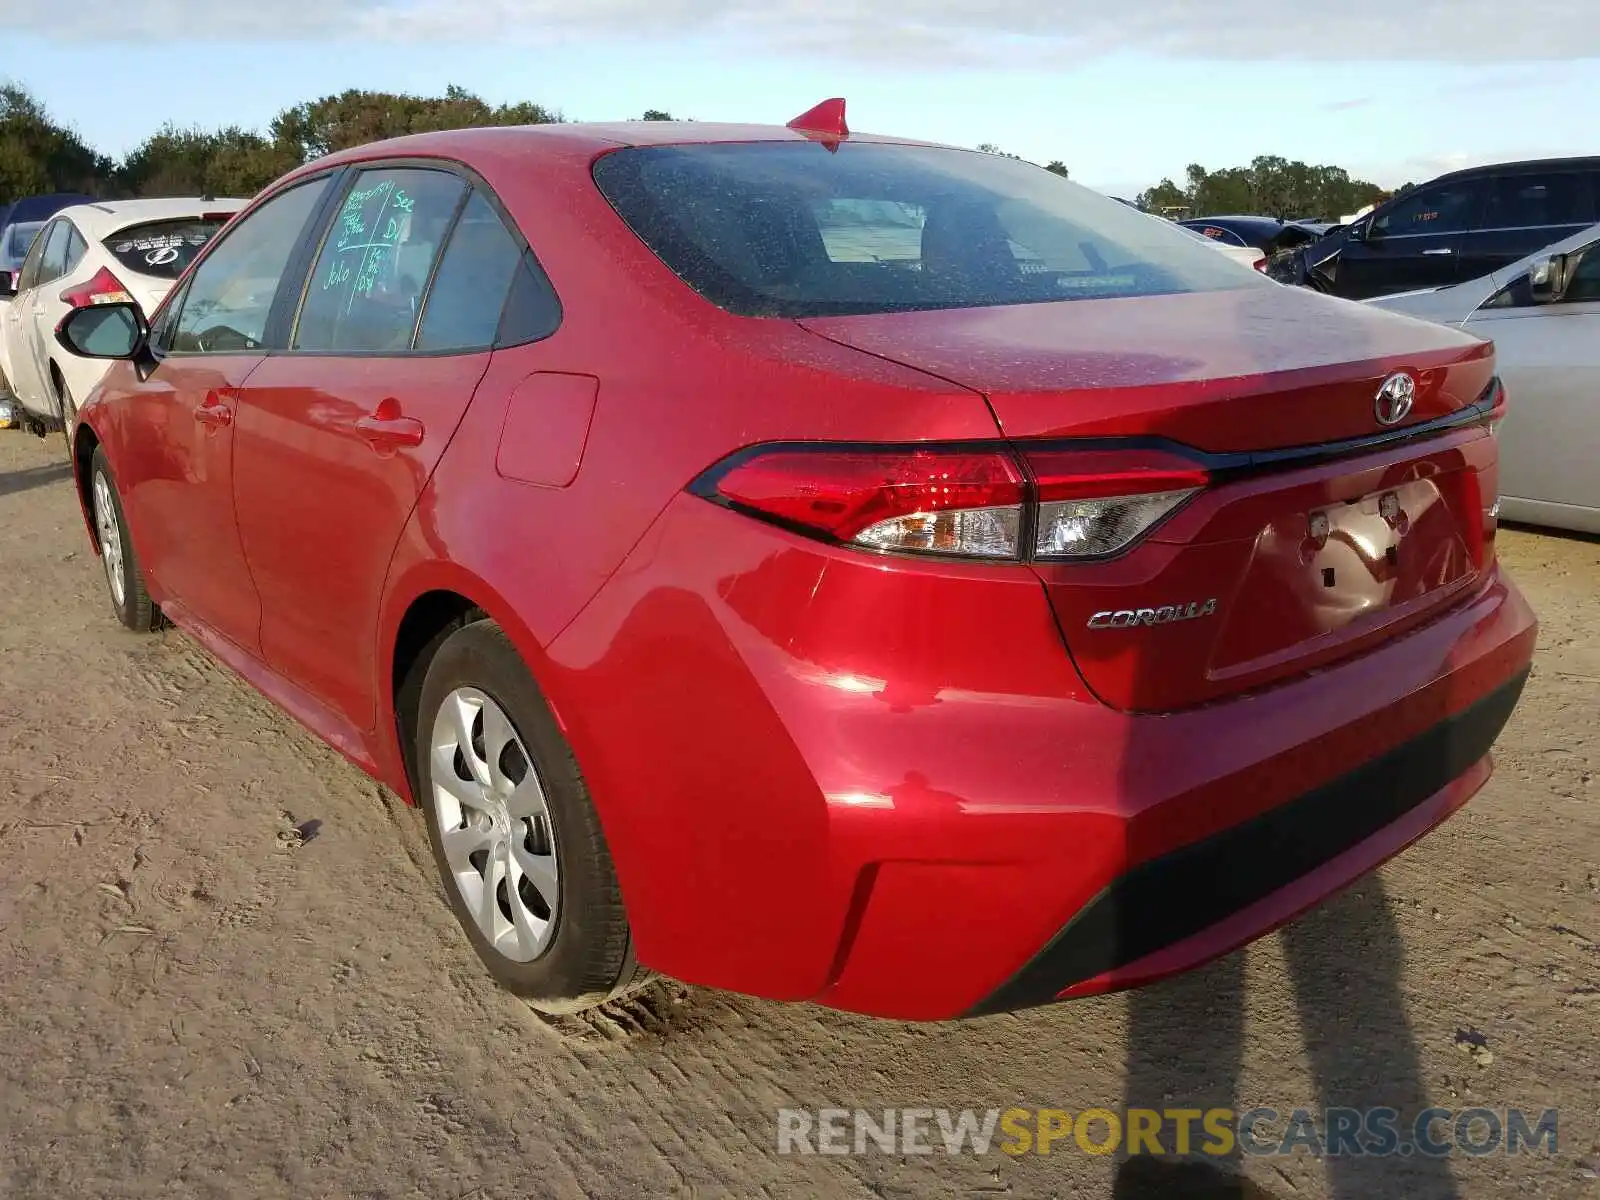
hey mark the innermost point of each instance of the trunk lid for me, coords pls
(1322, 532)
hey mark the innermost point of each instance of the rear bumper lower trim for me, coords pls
(1182, 893)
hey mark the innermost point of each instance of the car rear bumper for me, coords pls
(889, 791)
(1183, 907)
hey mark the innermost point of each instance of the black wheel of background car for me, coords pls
(69, 412)
(524, 862)
(124, 576)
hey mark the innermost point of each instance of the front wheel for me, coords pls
(124, 576)
(525, 864)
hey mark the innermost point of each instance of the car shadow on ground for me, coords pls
(1186, 1047)
(28, 478)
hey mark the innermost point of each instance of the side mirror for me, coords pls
(1359, 231)
(8, 285)
(104, 331)
(1547, 279)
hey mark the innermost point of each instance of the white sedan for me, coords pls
(92, 254)
(1543, 315)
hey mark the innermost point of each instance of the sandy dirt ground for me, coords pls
(196, 1000)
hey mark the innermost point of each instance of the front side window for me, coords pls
(1523, 201)
(790, 229)
(366, 289)
(1449, 208)
(230, 295)
(1583, 282)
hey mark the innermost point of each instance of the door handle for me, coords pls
(212, 411)
(1443, 250)
(384, 432)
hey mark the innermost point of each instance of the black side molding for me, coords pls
(1181, 893)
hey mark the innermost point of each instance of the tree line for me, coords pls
(1270, 185)
(39, 155)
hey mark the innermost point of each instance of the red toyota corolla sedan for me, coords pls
(822, 566)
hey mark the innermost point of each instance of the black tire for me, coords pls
(134, 607)
(69, 412)
(588, 958)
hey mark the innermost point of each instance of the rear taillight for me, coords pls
(962, 501)
(104, 288)
(1098, 502)
(937, 501)
(1260, 264)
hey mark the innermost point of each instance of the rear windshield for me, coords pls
(18, 238)
(792, 229)
(163, 248)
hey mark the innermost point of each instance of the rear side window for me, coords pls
(162, 249)
(469, 292)
(76, 247)
(365, 291)
(790, 229)
(1522, 201)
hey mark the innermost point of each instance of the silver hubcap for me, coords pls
(105, 520)
(494, 825)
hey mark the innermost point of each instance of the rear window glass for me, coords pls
(163, 249)
(790, 229)
(18, 238)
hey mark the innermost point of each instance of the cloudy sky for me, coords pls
(1123, 91)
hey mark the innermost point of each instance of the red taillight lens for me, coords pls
(962, 501)
(104, 288)
(1260, 264)
(932, 500)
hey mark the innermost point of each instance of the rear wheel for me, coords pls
(124, 576)
(525, 865)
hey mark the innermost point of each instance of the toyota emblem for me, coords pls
(1395, 398)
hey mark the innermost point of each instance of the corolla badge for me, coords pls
(1129, 618)
(1395, 398)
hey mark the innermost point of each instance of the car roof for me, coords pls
(1248, 220)
(27, 209)
(105, 217)
(1520, 167)
(580, 138)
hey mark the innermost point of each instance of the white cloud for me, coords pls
(942, 32)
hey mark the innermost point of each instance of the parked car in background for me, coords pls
(92, 254)
(20, 220)
(1245, 256)
(877, 630)
(1266, 234)
(1543, 316)
(1461, 226)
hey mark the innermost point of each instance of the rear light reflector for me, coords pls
(1260, 264)
(960, 501)
(104, 288)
